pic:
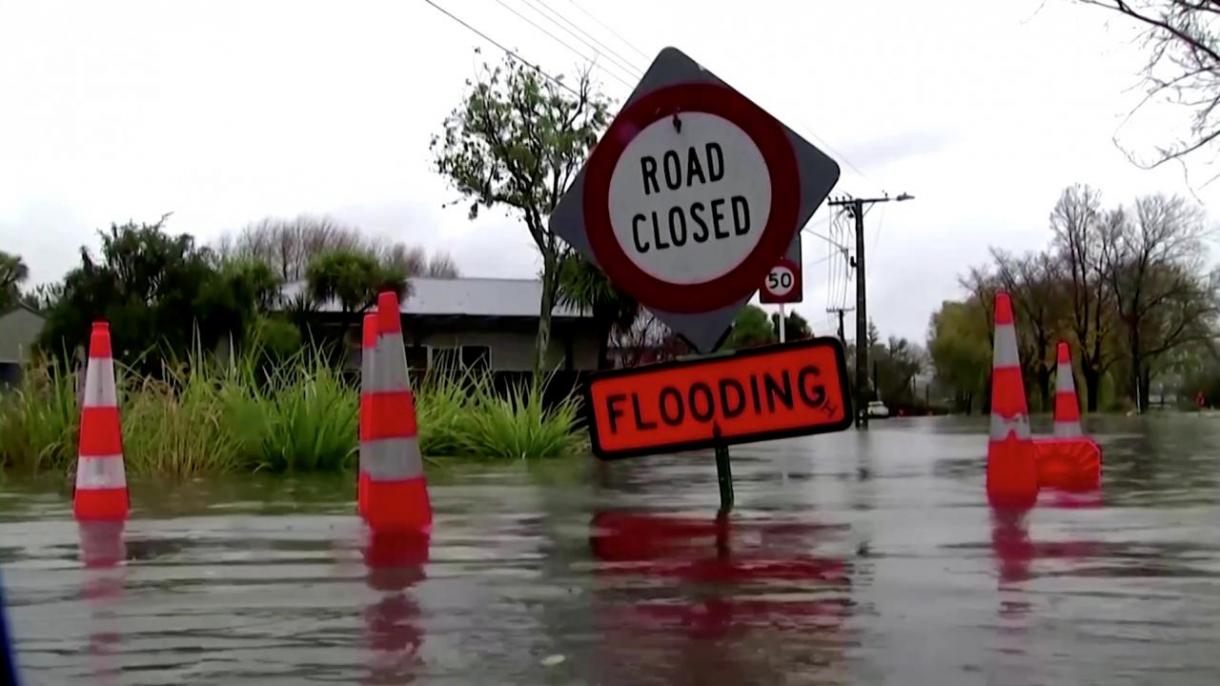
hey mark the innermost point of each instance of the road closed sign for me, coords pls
(691, 197)
(690, 210)
(754, 395)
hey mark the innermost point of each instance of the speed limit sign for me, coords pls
(783, 284)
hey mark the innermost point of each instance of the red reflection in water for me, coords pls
(1015, 551)
(102, 551)
(732, 556)
(709, 550)
(1010, 543)
(685, 600)
(394, 563)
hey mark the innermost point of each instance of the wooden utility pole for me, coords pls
(840, 311)
(855, 208)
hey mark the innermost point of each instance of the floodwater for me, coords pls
(852, 558)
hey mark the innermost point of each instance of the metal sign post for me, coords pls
(724, 473)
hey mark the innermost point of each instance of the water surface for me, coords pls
(851, 558)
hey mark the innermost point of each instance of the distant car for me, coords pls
(876, 408)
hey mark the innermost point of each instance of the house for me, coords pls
(474, 322)
(19, 330)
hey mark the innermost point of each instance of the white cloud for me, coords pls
(226, 111)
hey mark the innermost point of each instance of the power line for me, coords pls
(511, 53)
(616, 34)
(559, 40)
(627, 65)
(822, 141)
(876, 238)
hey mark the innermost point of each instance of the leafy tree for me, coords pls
(154, 289)
(516, 142)
(960, 349)
(795, 329)
(13, 272)
(750, 328)
(895, 364)
(583, 285)
(352, 278)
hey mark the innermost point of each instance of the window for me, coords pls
(476, 356)
(417, 357)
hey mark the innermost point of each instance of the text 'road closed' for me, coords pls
(750, 396)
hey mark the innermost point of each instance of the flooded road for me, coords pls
(851, 558)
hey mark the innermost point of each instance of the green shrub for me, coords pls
(262, 411)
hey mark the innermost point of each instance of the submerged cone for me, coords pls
(397, 488)
(1012, 474)
(101, 480)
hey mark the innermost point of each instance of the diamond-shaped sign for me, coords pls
(690, 198)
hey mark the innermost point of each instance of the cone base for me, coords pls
(101, 504)
(399, 506)
(1012, 473)
(1069, 464)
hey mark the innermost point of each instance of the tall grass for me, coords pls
(38, 420)
(206, 415)
(462, 414)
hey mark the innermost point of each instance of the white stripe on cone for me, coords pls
(1067, 430)
(1005, 352)
(1001, 427)
(100, 472)
(393, 459)
(391, 372)
(99, 383)
(1064, 383)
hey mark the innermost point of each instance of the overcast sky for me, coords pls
(224, 112)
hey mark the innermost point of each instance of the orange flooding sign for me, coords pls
(773, 392)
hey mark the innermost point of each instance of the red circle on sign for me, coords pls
(776, 149)
(791, 267)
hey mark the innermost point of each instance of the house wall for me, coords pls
(19, 330)
(511, 341)
(513, 350)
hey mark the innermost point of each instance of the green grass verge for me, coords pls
(205, 416)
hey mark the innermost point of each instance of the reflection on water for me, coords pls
(852, 558)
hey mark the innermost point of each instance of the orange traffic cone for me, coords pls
(397, 493)
(1012, 474)
(101, 482)
(1067, 408)
(368, 349)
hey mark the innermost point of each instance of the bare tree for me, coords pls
(289, 245)
(1183, 68)
(442, 266)
(983, 285)
(1035, 284)
(1154, 265)
(1077, 224)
